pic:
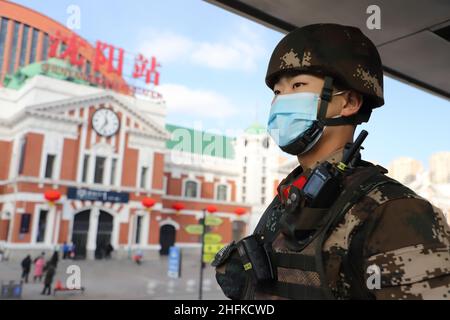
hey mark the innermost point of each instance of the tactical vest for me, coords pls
(298, 265)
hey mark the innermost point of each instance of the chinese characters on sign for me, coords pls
(105, 55)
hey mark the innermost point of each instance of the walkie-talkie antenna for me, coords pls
(348, 156)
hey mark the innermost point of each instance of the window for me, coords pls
(243, 199)
(25, 220)
(245, 169)
(244, 179)
(222, 191)
(85, 168)
(263, 190)
(190, 190)
(22, 148)
(112, 178)
(144, 171)
(88, 68)
(49, 166)
(263, 200)
(263, 180)
(45, 47)
(42, 224)
(265, 143)
(12, 56)
(23, 46)
(245, 159)
(99, 169)
(243, 189)
(137, 238)
(34, 38)
(245, 142)
(3, 29)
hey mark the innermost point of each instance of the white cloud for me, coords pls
(196, 102)
(239, 50)
(166, 46)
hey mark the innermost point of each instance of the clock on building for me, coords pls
(105, 122)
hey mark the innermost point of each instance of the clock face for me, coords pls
(105, 122)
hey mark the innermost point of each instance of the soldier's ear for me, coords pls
(353, 102)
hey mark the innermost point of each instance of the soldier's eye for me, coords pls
(276, 92)
(298, 85)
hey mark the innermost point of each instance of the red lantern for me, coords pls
(52, 195)
(178, 206)
(240, 211)
(148, 202)
(211, 209)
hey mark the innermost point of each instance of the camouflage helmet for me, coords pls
(342, 52)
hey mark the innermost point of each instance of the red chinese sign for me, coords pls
(105, 55)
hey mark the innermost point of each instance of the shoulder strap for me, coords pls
(360, 186)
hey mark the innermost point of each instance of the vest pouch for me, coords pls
(255, 259)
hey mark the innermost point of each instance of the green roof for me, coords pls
(256, 128)
(199, 142)
(48, 68)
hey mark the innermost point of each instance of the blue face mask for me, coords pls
(291, 116)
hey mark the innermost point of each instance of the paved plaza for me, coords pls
(124, 279)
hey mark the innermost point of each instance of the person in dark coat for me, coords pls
(108, 250)
(54, 259)
(49, 275)
(26, 266)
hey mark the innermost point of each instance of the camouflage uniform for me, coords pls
(317, 255)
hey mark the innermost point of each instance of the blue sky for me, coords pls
(213, 68)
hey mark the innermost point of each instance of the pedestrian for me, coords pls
(26, 266)
(66, 250)
(109, 249)
(338, 222)
(54, 259)
(72, 251)
(39, 264)
(50, 271)
(138, 256)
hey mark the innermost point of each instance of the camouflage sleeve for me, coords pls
(408, 241)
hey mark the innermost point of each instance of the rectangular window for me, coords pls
(263, 190)
(88, 68)
(137, 238)
(222, 191)
(22, 149)
(3, 29)
(113, 172)
(23, 46)
(42, 224)
(243, 189)
(34, 39)
(49, 166)
(243, 199)
(25, 220)
(144, 171)
(245, 159)
(85, 168)
(245, 169)
(45, 47)
(263, 200)
(244, 179)
(12, 56)
(263, 180)
(99, 169)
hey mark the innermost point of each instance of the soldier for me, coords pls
(363, 235)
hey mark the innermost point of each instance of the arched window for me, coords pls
(222, 192)
(190, 189)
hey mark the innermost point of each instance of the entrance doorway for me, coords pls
(104, 231)
(80, 233)
(167, 235)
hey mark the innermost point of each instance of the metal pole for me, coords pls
(200, 286)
